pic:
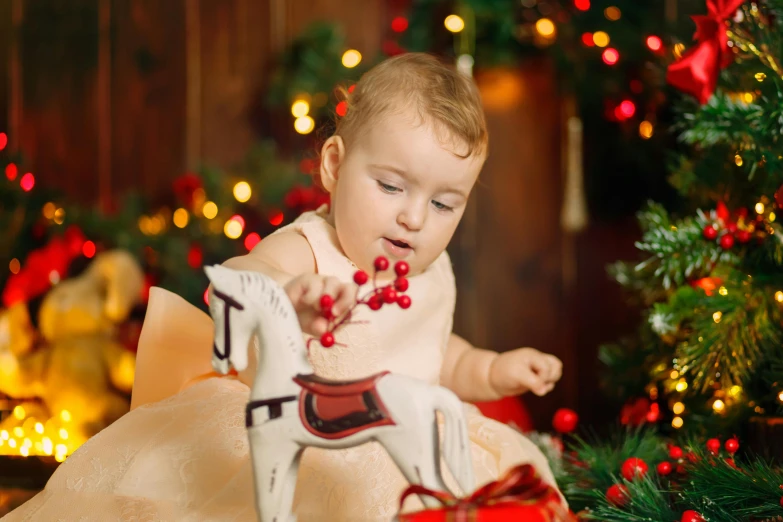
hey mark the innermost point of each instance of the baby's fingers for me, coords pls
(345, 298)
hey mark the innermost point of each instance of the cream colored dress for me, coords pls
(181, 453)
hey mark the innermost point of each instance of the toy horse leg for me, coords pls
(275, 465)
(418, 457)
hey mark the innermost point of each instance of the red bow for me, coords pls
(520, 485)
(697, 71)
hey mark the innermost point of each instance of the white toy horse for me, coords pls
(291, 408)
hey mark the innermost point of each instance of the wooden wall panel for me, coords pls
(511, 283)
(148, 95)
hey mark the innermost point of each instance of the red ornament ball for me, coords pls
(401, 268)
(327, 340)
(713, 446)
(675, 452)
(634, 468)
(565, 420)
(617, 494)
(710, 232)
(401, 284)
(691, 516)
(404, 301)
(389, 295)
(360, 277)
(381, 263)
(732, 445)
(726, 241)
(326, 302)
(664, 468)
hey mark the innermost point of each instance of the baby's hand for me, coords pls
(305, 293)
(523, 369)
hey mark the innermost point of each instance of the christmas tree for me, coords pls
(703, 379)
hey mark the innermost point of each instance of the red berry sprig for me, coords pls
(617, 494)
(378, 297)
(730, 227)
(633, 468)
(691, 516)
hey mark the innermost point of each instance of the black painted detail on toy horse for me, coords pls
(230, 303)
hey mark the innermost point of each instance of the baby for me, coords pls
(399, 168)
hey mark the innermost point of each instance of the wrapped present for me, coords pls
(519, 495)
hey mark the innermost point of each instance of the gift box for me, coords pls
(519, 495)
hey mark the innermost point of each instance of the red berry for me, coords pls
(713, 446)
(633, 468)
(617, 494)
(732, 445)
(389, 295)
(664, 468)
(743, 236)
(692, 457)
(404, 301)
(565, 420)
(730, 462)
(691, 516)
(781, 498)
(375, 302)
(401, 268)
(710, 232)
(326, 302)
(401, 284)
(327, 340)
(675, 452)
(726, 241)
(681, 469)
(381, 263)
(360, 277)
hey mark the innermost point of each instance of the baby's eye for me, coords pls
(440, 206)
(391, 189)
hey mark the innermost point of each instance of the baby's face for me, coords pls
(401, 193)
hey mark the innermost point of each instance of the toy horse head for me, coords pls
(231, 308)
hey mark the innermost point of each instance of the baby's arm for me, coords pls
(477, 375)
(466, 371)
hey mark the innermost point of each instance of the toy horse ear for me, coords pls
(213, 272)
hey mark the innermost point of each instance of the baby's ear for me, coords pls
(332, 156)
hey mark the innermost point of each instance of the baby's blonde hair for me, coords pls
(440, 95)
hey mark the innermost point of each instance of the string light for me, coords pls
(738, 160)
(3, 140)
(27, 182)
(612, 13)
(627, 108)
(232, 228)
(771, 216)
(454, 23)
(242, 191)
(748, 97)
(654, 43)
(545, 27)
(276, 218)
(11, 171)
(717, 316)
(735, 391)
(759, 208)
(48, 210)
(610, 56)
(674, 374)
(88, 249)
(718, 405)
(399, 24)
(19, 412)
(780, 396)
(582, 5)
(251, 240)
(59, 216)
(342, 108)
(779, 296)
(601, 39)
(587, 39)
(14, 266)
(180, 218)
(681, 385)
(678, 408)
(646, 129)
(678, 49)
(760, 76)
(209, 210)
(351, 58)
(300, 108)
(65, 415)
(304, 125)
(677, 422)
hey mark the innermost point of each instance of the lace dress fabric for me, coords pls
(181, 453)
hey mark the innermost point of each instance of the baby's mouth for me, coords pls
(396, 242)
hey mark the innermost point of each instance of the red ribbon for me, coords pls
(520, 484)
(697, 71)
